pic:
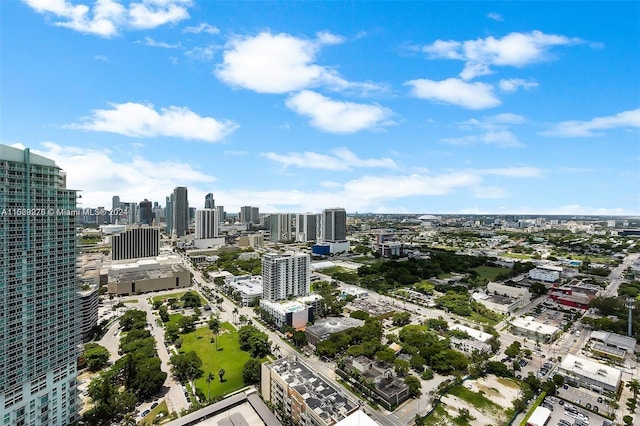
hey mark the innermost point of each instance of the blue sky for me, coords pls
(419, 107)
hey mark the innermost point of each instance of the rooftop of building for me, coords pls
(530, 324)
(284, 306)
(239, 409)
(358, 418)
(591, 369)
(613, 339)
(327, 326)
(327, 401)
(475, 334)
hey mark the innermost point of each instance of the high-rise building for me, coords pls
(39, 318)
(168, 214)
(222, 216)
(255, 215)
(115, 202)
(334, 224)
(280, 226)
(146, 212)
(180, 216)
(206, 224)
(209, 202)
(285, 275)
(135, 243)
(306, 227)
(245, 214)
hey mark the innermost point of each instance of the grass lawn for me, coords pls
(476, 317)
(148, 419)
(489, 272)
(228, 356)
(476, 399)
(517, 255)
(173, 319)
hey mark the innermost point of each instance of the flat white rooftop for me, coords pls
(529, 324)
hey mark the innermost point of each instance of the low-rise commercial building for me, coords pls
(611, 345)
(306, 397)
(502, 304)
(295, 313)
(590, 374)
(532, 329)
(546, 274)
(245, 288)
(146, 275)
(520, 293)
(469, 345)
(324, 328)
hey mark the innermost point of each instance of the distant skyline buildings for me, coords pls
(334, 225)
(180, 211)
(209, 202)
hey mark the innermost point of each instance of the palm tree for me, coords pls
(210, 379)
(221, 373)
(235, 314)
(276, 349)
(214, 326)
(634, 385)
(242, 319)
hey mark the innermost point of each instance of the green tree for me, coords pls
(186, 366)
(133, 318)
(634, 386)
(513, 350)
(214, 326)
(95, 356)
(385, 355)
(186, 324)
(401, 366)
(163, 312)
(191, 299)
(299, 338)
(251, 371)
(171, 333)
(221, 373)
(414, 384)
(401, 318)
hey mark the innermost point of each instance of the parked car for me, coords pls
(154, 405)
(145, 412)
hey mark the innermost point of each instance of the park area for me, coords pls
(229, 357)
(483, 401)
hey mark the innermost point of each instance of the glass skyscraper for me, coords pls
(39, 308)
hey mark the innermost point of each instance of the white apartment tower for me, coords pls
(207, 224)
(39, 304)
(285, 275)
(334, 225)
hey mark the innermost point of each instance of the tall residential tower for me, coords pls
(39, 306)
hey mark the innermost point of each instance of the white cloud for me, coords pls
(338, 116)
(515, 49)
(490, 192)
(456, 92)
(106, 18)
(202, 53)
(342, 159)
(495, 131)
(142, 120)
(325, 37)
(102, 58)
(495, 16)
(281, 63)
(201, 28)
(513, 84)
(134, 179)
(514, 172)
(148, 41)
(595, 126)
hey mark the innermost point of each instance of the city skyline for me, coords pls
(527, 108)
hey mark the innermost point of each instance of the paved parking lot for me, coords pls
(569, 397)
